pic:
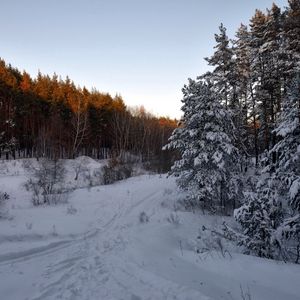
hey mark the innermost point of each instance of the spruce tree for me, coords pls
(291, 40)
(223, 74)
(287, 171)
(259, 216)
(270, 216)
(287, 165)
(208, 163)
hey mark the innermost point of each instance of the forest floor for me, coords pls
(129, 240)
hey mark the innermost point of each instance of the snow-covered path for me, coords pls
(96, 264)
(118, 257)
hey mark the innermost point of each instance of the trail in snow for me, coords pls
(115, 256)
(92, 267)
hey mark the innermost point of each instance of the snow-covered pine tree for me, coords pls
(228, 81)
(242, 105)
(274, 69)
(287, 170)
(259, 217)
(223, 75)
(259, 63)
(291, 41)
(287, 165)
(270, 216)
(208, 165)
(242, 54)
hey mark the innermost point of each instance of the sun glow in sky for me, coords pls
(143, 50)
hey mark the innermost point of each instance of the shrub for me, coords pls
(116, 171)
(143, 217)
(3, 197)
(46, 183)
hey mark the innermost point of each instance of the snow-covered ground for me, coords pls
(97, 247)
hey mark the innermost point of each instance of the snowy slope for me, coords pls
(96, 247)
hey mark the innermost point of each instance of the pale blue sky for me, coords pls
(144, 50)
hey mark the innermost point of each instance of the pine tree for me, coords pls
(287, 165)
(291, 40)
(242, 53)
(259, 216)
(207, 167)
(241, 108)
(259, 62)
(270, 216)
(223, 74)
(287, 171)
(274, 68)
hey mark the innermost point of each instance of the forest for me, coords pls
(240, 135)
(53, 118)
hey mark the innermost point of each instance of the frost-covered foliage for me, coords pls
(270, 217)
(287, 171)
(223, 75)
(287, 166)
(259, 217)
(208, 163)
(249, 106)
(291, 37)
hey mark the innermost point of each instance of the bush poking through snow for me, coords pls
(80, 168)
(210, 239)
(71, 210)
(116, 171)
(46, 183)
(246, 295)
(173, 219)
(3, 197)
(143, 217)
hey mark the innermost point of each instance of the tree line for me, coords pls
(239, 137)
(51, 117)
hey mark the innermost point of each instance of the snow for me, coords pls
(294, 189)
(96, 247)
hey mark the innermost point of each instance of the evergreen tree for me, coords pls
(223, 75)
(287, 166)
(259, 62)
(270, 216)
(248, 120)
(287, 171)
(259, 216)
(207, 167)
(242, 54)
(291, 40)
(262, 221)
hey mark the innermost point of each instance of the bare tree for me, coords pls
(121, 127)
(79, 126)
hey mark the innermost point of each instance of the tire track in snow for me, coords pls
(74, 270)
(92, 266)
(54, 246)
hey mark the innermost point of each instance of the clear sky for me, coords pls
(142, 49)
